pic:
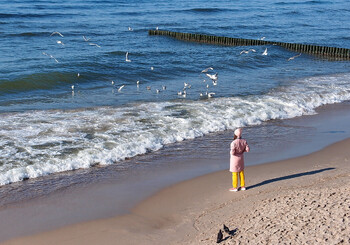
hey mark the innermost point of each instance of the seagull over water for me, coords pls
(126, 57)
(292, 58)
(265, 52)
(207, 69)
(86, 39)
(120, 88)
(213, 77)
(51, 57)
(56, 33)
(130, 29)
(94, 44)
(247, 51)
(210, 95)
(60, 42)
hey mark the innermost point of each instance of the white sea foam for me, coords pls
(38, 143)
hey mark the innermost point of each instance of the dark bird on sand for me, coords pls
(220, 236)
(226, 229)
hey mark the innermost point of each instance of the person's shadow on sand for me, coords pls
(289, 177)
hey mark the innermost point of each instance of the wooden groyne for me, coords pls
(323, 51)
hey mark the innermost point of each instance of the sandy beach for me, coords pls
(304, 200)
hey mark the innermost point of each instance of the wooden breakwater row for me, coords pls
(329, 52)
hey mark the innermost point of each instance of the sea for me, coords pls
(83, 86)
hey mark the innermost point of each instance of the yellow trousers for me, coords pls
(235, 179)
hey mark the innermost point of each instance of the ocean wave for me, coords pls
(207, 10)
(313, 2)
(31, 15)
(29, 34)
(39, 143)
(36, 81)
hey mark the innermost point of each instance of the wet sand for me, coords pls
(300, 200)
(186, 212)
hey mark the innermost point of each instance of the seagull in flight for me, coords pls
(49, 55)
(292, 58)
(94, 44)
(130, 29)
(262, 38)
(126, 57)
(56, 33)
(265, 52)
(207, 69)
(210, 95)
(247, 51)
(213, 77)
(120, 88)
(86, 39)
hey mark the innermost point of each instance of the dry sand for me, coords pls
(304, 200)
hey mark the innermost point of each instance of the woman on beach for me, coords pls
(238, 147)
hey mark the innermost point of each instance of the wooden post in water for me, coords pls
(333, 52)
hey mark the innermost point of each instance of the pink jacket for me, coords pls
(238, 147)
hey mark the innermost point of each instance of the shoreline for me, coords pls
(191, 212)
(89, 202)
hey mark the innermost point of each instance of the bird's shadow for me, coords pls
(292, 176)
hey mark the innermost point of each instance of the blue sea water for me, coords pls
(47, 127)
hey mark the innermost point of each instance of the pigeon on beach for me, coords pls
(219, 237)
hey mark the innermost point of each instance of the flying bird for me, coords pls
(49, 55)
(152, 68)
(247, 51)
(56, 33)
(207, 69)
(130, 29)
(120, 88)
(262, 38)
(86, 39)
(265, 52)
(210, 95)
(292, 58)
(126, 57)
(213, 77)
(94, 44)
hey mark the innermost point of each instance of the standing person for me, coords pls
(238, 147)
